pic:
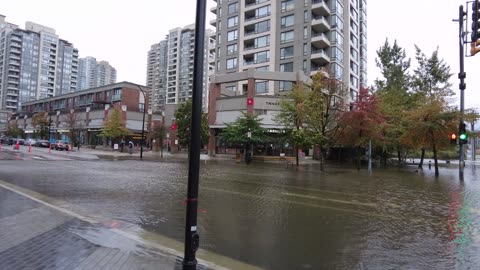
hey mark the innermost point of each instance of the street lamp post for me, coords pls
(143, 121)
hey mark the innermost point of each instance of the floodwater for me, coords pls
(277, 218)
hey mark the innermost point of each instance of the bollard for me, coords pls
(50, 148)
(0, 147)
(68, 148)
(30, 148)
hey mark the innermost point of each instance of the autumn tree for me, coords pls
(183, 116)
(363, 123)
(158, 133)
(40, 122)
(114, 127)
(13, 130)
(74, 126)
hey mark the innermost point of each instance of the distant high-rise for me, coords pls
(291, 36)
(34, 63)
(170, 67)
(95, 74)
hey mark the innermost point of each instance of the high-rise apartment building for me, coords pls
(95, 74)
(34, 63)
(290, 36)
(170, 67)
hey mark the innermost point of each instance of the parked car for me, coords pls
(42, 143)
(30, 142)
(20, 141)
(61, 145)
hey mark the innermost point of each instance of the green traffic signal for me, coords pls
(463, 136)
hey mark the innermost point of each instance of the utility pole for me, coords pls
(192, 239)
(461, 75)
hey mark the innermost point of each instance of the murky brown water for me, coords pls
(278, 218)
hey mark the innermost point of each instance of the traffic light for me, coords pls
(475, 27)
(250, 101)
(453, 138)
(462, 135)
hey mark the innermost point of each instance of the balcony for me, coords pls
(320, 40)
(16, 44)
(319, 7)
(214, 10)
(320, 24)
(316, 69)
(250, 16)
(213, 22)
(14, 56)
(319, 56)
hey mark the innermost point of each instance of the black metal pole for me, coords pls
(191, 236)
(461, 75)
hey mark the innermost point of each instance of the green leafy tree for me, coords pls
(183, 116)
(114, 126)
(237, 132)
(393, 91)
(292, 115)
(14, 131)
(40, 122)
(431, 91)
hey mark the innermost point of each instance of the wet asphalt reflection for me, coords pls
(278, 218)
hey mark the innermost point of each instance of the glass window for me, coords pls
(219, 38)
(287, 5)
(263, 68)
(305, 32)
(286, 52)
(231, 63)
(287, 21)
(232, 8)
(262, 26)
(262, 41)
(261, 57)
(233, 21)
(261, 87)
(263, 11)
(232, 35)
(219, 25)
(286, 37)
(231, 49)
(287, 67)
(285, 86)
(305, 16)
(305, 49)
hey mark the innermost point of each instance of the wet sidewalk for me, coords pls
(34, 235)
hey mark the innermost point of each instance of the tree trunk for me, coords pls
(321, 159)
(296, 155)
(399, 154)
(384, 158)
(420, 165)
(358, 158)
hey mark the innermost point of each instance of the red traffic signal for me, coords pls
(173, 126)
(249, 101)
(453, 138)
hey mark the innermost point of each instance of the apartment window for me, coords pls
(305, 32)
(286, 37)
(262, 41)
(305, 66)
(219, 12)
(219, 38)
(231, 88)
(219, 25)
(232, 8)
(218, 52)
(287, 5)
(286, 52)
(261, 87)
(231, 49)
(287, 21)
(287, 67)
(262, 12)
(232, 35)
(337, 54)
(285, 86)
(232, 63)
(354, 53)
(354, 40)
(305, 16)
(305, 49)
(354, 67)
(263, 68)
(261, 57)
(232, 21)
(262, 26)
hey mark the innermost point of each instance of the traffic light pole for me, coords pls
(192, 238)
(461, 75)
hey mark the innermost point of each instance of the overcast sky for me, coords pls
(121, 32)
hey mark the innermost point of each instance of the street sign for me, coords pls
(249, 134)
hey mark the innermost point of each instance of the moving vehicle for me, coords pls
(61, 145)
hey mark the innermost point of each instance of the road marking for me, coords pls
(328, 200)
(294, 202)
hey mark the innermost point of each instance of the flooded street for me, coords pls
(277, 218)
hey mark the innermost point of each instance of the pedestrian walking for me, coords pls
(130, 147)
(429, 165)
